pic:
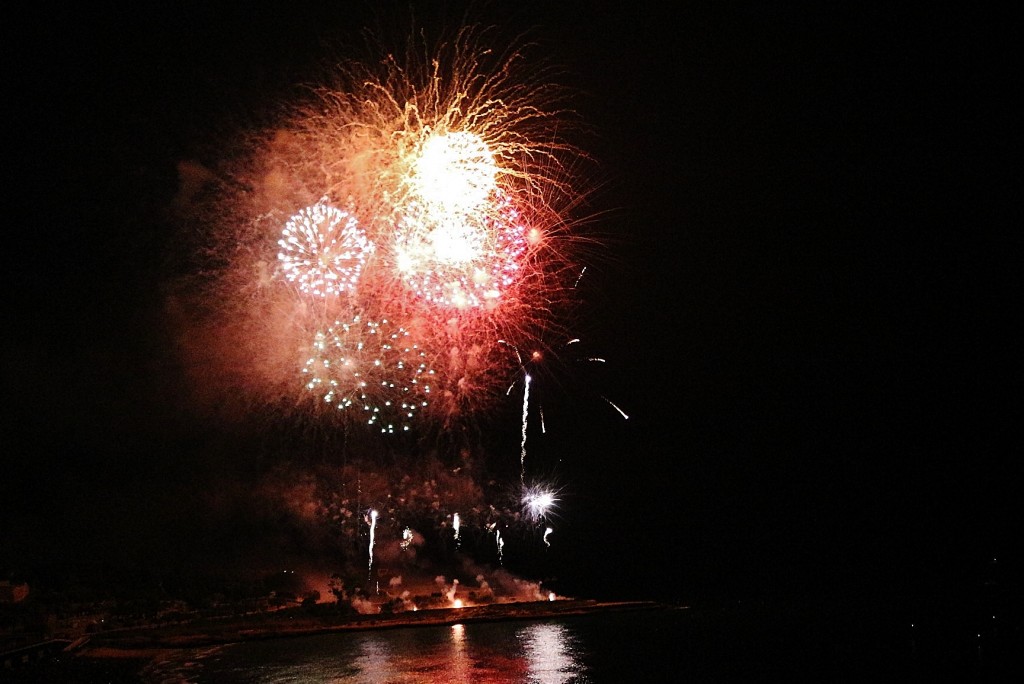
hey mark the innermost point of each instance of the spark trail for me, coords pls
(612, 404)
(522, 443)
(373, 529)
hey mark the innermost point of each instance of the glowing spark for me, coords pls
(621, 412)
(407, 537)
(455, 525)
(514, 349)
(454, 173)
(323, 250)
(546, 533)
(500, 542)
(373, 529)
(578, 279)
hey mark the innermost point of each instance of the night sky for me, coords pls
(806, 302)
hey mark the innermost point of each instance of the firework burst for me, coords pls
(463, 260)
(323, 250)
(538, 501)
(374, 369)
(430, 190)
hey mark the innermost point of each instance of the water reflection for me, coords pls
(461, 664)
(495, 653)
(375, 661)
(549, 651)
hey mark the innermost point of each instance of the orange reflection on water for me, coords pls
(485, 653)
(461, 663)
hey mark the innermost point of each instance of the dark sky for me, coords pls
(808, 316)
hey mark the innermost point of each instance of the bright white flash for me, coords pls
(546, 533)
(456, 241)
(538, 502)
(454, 172)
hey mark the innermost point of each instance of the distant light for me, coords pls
(551, 596)
(457, 603)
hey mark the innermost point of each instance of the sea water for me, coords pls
(634, 646)
(742, 644)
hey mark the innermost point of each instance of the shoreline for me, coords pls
(148, 642)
